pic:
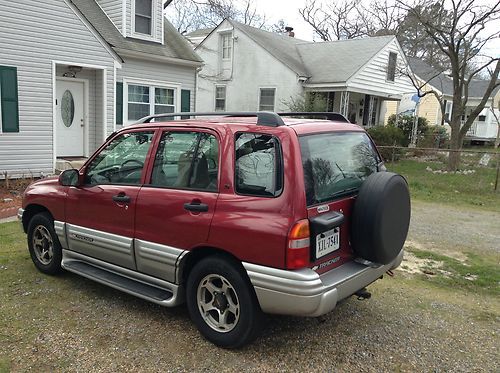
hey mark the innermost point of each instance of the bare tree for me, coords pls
(190, 15)
(462, 39)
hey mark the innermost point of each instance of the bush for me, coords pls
(311, 102)
(435, 137)
(387, 136)
(405, 122)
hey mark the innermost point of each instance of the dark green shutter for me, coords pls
(119, 103)
(185, 101)
(9, 99)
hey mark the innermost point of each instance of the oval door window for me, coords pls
(67, 108)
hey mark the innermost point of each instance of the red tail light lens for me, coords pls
(298, 248)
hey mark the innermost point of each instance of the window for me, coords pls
(266, 101)
(258, 165)
(149, 100)
(9, 107)
(121, 161)
(482, 118)
(391, 66)
(187, 160)
(220, 98)
(335, 164)
(143, 16)
(226, 46)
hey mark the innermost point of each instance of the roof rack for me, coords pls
(327, 115)
(264, 118)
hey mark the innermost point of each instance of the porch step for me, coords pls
(68, 163)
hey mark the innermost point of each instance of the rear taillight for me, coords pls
(298, 248)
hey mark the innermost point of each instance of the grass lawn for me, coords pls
(472, 190)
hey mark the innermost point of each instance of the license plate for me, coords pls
(327, 242)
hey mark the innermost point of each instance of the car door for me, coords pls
(175, 207)
(100, 214)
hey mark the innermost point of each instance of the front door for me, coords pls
(70, 118)
(175, 207)
(101, 213)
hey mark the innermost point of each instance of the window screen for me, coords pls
(266, 102)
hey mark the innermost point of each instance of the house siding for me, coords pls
(252, 68)
(372, 77)
(32, 35)
(114, 10)
(161, 73)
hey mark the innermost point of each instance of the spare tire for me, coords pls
(381, 217)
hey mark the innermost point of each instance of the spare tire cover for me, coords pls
(381, 217)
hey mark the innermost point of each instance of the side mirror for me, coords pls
(69, 178)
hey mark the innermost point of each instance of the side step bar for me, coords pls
(131, 282)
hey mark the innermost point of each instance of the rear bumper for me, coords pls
(305, 293)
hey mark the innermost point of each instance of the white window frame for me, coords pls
(217, 98)
(152, 84)
(274, 98)
(226, 36)
(139, 35)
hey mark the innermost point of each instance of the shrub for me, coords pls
(311, 102)
(387, 136)
(434, 137)
(405, 122)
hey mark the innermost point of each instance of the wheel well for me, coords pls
(30, 211)
(194, 256)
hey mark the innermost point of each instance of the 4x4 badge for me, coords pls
(324, 208)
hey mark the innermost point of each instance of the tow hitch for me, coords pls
(363, 294)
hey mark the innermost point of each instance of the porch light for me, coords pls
(72, 71)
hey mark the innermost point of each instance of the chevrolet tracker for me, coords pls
(236, 214)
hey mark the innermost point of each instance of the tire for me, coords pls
(217, 284)
(381, 217)
(43, 244)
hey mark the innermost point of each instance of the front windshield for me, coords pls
(336, 164)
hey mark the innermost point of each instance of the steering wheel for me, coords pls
(141, 164)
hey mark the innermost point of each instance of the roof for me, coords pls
(307, 59)
(175, 46)
(200, 32)
(442, 82)
(337, 61)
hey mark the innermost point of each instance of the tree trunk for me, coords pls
(455, 144)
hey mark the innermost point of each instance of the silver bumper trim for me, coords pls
(306, 293)
(20, 213)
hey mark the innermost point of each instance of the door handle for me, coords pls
(122, 198)
(196, 207)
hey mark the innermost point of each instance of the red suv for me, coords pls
(236, 214)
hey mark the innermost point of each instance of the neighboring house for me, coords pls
(72, 72)
(484, 128)
(251, 69)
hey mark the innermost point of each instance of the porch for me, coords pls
(359, 108)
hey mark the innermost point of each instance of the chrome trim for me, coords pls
(177, 292)
(156, 259)
(60, 228)
(306, 293)
(20, 213)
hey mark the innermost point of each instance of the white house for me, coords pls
(485, 126)
(251, 69)
(73, 71)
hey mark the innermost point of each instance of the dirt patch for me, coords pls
(411, 264)
(11, 196)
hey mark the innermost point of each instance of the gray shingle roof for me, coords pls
(323, 62)
(176, 46)
(337, 61)
(441, 81)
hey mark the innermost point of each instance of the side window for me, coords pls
(121, 161)
(187, 160)
(258, 165)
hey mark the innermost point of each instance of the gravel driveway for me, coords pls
(70, 323)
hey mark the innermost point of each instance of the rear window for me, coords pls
(335, 164)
